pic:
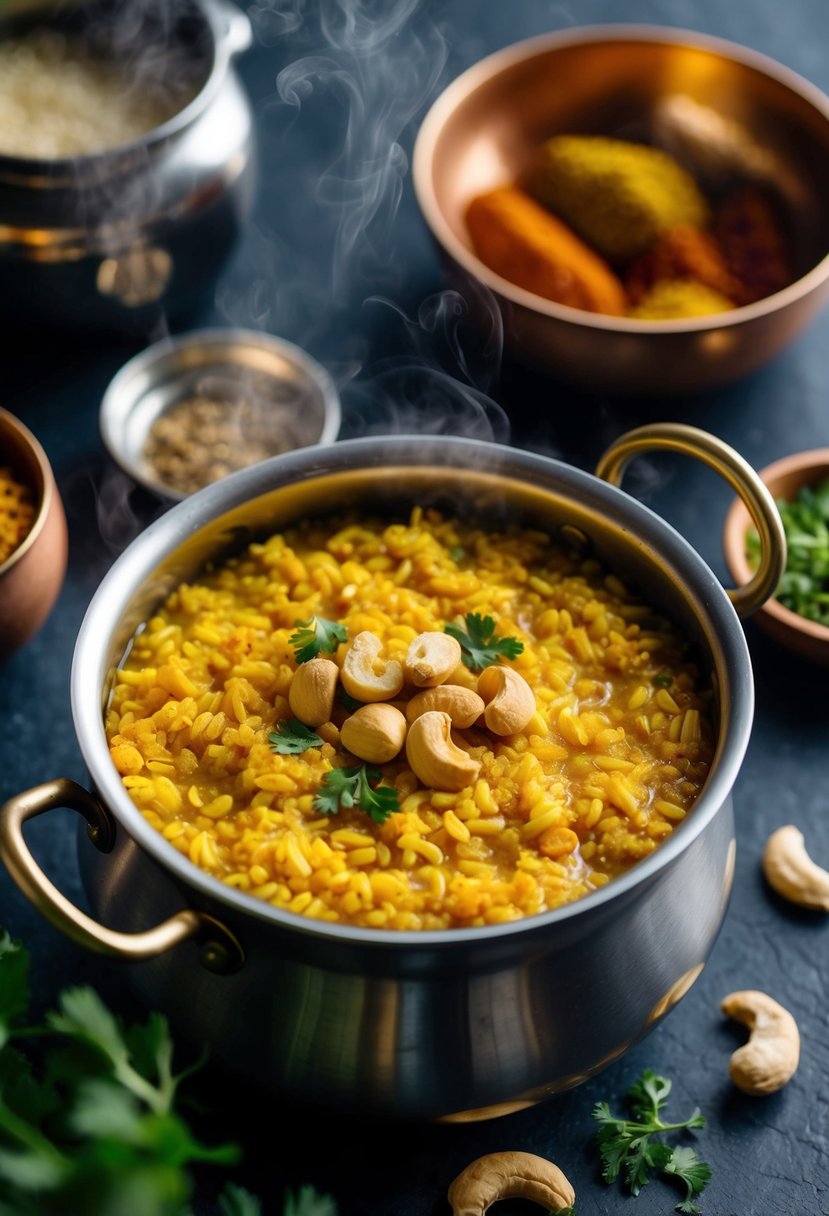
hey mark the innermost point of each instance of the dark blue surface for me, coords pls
(337, 259)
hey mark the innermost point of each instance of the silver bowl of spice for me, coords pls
(189, 410)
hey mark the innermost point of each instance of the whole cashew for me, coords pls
(462, 705)
(434, 758)
(510, 1175)
(510, 702)
(770, 1057)
(791, 872)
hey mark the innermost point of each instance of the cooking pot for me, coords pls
(114, 238)
(455, 1023)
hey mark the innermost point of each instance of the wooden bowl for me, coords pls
(32, 576)
(486, 128)
(784, 478)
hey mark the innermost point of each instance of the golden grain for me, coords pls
(590, 787)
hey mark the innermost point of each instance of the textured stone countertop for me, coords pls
(362, 293)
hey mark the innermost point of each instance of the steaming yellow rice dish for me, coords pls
(610, 762)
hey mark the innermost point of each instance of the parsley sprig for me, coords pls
(350, 787)
(480, 645)
(316, 636)
(90, 1115)
(292, 737)
(629, 1145)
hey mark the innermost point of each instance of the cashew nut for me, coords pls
(434, 758)
(366, 676)
(791, 872)
(431, 659)
(311, 695)
(374, 733)
(769, 1059)
(462, 705)
(510, 1175)
(510, 700)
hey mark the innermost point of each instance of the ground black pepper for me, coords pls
(202, 438)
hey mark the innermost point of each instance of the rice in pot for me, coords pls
(611, 760)
(57, 99)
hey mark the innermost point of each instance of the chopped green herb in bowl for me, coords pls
(797, 615)
(804, 588)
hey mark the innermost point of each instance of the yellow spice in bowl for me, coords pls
(17, 513)
(611, 761)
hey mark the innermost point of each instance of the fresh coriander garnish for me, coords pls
(804, 587)
(662, 681)
(350, 787)
(316, 636)
(480, 644)
(291, 737)
(629, 1144)
(90, 1110)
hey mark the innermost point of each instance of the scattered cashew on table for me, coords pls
(791, 872)
(770, 1057)
(509, 1175)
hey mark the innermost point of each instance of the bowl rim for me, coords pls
(215, 336)
(11, 424)
(737, 523)
(89, 676)
(492, 65)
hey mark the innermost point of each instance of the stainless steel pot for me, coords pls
(457, 1023)
(113, 239)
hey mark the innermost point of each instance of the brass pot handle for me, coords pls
(219, 951)
(691, 441)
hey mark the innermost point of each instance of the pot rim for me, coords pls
(486, 69)
(222, 22)
(728, 645)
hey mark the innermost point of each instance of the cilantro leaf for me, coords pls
(316, 636)
(291, 737)
(351, 787)
(480, 645)
(309, 1202)
(649, 1095)
(87, 1113)
(236, 1201)
(14, 984)
(634, 1146)
(686, 1165)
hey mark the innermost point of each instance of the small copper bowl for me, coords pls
(485, 129)
(784, 478)
(32, 575)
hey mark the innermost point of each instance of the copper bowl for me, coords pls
(784, 478)
(32, 576)
(760, 119)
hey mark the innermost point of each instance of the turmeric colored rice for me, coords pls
(17, 512)
(613, 759)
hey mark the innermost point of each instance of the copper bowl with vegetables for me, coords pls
(334, 707)
(647, 208)
(797, 616)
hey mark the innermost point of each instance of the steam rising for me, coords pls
(336, 132)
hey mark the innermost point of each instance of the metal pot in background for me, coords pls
(113, 239)
(455, 1023)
